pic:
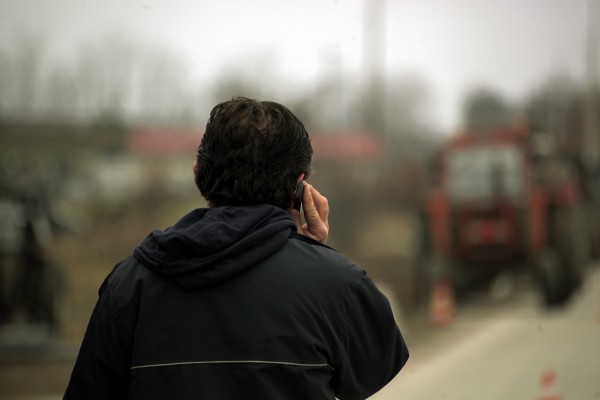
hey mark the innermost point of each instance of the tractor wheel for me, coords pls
(593, 218)
(568, 235)
(551, 277)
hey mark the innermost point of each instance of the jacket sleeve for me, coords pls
(101, 370)
(375, 350)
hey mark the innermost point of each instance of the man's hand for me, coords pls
(316, 212)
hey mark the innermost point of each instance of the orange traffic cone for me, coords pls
(549, 386)
(441, 305)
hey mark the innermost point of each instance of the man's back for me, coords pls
(302, 323)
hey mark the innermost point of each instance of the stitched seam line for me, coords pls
(233, 362)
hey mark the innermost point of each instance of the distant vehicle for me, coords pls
(30, 283)
(499, 205)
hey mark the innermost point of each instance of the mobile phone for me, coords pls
(299, 195)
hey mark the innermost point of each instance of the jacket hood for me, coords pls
(210, 245)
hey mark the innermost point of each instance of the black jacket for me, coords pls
(232, 303)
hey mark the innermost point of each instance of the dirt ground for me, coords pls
(34, 379)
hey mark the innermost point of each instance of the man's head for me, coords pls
(252, 152)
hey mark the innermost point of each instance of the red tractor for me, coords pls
(499, 206)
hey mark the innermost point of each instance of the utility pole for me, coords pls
(591, 138)
(374, 55)
(591, 134)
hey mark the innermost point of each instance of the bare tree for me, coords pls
(164, 89)
(5, 79)
(106, 78)
(21, 67)
(486, 108)
(549, 105)
(59, 97)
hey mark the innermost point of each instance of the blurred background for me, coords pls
(458, 143)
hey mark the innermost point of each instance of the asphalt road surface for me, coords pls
(509, 349)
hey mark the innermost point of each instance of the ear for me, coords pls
(300, 178)
(196, 168)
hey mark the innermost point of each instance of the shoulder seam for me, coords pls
(305, 239)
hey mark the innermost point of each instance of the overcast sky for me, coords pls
(511, 45)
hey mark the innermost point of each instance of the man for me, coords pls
(241, 300)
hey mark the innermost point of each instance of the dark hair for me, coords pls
(252, 153)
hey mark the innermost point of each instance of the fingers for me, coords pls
(321, 204)
(316, 213)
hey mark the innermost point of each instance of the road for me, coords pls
(502, 349)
